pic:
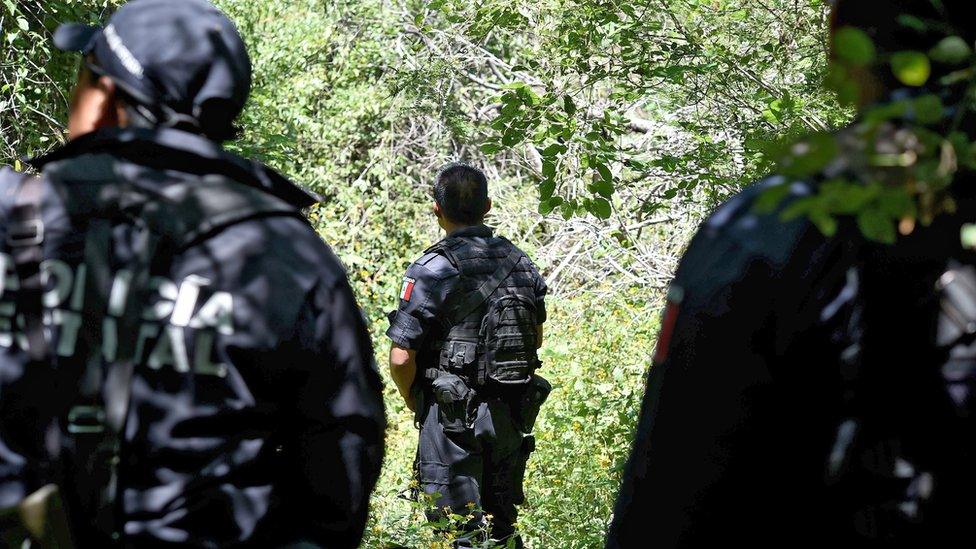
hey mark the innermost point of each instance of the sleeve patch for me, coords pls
(675, 297)
(406, 291)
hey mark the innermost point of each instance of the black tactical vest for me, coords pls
(458, 344)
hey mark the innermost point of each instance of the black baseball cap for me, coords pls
(182, 60)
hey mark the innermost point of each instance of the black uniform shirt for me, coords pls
(428, 284)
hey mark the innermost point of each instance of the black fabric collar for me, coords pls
(172, 149)
(475, 230)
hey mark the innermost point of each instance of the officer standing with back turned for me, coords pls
(464, 354)
(181, 356)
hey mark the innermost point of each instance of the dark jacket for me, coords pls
(799, 395)
(256, 411)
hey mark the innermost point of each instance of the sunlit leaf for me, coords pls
(912, 68)
(951, 50)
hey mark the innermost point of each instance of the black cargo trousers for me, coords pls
(472, 454)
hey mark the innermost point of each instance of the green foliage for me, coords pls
(35, 78)
(598, 91)
(894, 168)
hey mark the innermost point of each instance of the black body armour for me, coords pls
(488, 323)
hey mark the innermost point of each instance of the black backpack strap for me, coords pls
(446, 248)
(25, 238)
(476, 298)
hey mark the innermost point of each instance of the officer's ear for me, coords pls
(437, 211)
(488, 207)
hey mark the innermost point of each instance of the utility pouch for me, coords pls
(452, 396)
(459, 356)
(531, 401)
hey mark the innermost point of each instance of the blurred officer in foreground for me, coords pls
(207, 378)
(464, 355)
(812, 390)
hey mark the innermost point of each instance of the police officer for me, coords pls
(200, 373)
(463, 357)
(816, 391)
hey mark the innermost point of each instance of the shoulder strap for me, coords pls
(182, 213)
(213, 205)
(446, 248)
(476, 298)
(25, 238)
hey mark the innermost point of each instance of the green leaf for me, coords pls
(22, 23)
(567, 209)
(512, 136)
(854, 47)
(968, 236)
(951, 50)
(825, 222)
(546, 188)
(877, 226)
(602, 188)
(553, 150)
(839, 80)
(896, 203)
(912, 68)
(600, 207)
(887, 111)
(568, 105)
(604, 173)
(490, 148)
(771, 198)
(928, 109)
(547, 206)
(913, 23)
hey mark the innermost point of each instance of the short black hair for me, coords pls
(462, 193)
(899, 25)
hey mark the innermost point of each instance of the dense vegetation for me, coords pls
(608, 129)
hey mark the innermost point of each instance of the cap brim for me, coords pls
(76, 37)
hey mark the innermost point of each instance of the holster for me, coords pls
(454, 398)
(530, 403)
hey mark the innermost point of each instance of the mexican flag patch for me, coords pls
(407, 290)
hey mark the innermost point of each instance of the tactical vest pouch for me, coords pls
(508, 334)
(453, 398)
(459, 355)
